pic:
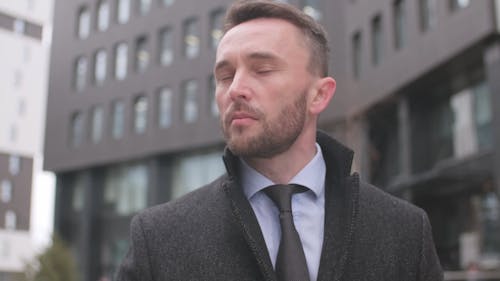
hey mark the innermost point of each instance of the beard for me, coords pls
(272, 137)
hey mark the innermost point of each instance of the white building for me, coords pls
(26, 192)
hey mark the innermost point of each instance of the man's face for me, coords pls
(262, 80)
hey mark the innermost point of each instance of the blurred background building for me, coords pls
(25, 28)
(131, 118)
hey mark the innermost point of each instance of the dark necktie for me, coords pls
(291, 261)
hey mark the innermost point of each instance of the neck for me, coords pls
(283, 167)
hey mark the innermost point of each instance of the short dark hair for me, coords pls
(246, 10)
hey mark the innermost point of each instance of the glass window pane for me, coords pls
(126, 188)
(483, 115)
(10, 220)
(166, 46)
(142, 54)
(191, 39)
(191, 172)
(144, 6)
(190, 94)
(211, 94)
(14, 164)
(377, 40)
(103, 15)
(121, 61)
(167, 3)
(165, 107)
(140, 114)
(80, 75)
(83, 23)
(100, 67)
(118, 119)
(123, 11)
(97, 124)
(77, 129)
(216, 24)
(399, 24)
(6, 192)
(20, 26)
(427, 14)
(356, 54)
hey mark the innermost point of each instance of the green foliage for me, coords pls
(56, 263)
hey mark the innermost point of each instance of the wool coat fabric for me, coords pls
(213, 234)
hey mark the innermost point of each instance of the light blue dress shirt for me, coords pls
(308, 209)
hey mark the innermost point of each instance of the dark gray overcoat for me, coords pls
(213, 234)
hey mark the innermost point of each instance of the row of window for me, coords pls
(427, 17)
(142, 52)
(140, 111)
(143, 7)
(103, 16)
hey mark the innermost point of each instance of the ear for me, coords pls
(324, 89)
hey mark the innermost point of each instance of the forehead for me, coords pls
(263, 34)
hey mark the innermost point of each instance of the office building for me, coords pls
(25, 28)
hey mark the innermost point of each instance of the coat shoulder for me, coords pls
(376, 201)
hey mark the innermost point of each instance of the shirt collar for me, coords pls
(311, 176)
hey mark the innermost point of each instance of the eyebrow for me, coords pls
(253, 56)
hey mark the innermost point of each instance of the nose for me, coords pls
(240, 86)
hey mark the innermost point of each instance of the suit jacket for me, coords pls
(213, 234)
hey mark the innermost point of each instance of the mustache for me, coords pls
(242, 107)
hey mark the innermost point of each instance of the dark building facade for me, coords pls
(131, 119)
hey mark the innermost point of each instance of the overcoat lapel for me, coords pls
(244, 215)
(341, 202)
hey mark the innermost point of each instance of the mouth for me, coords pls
(241, 118)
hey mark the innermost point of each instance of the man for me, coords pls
(271, 84)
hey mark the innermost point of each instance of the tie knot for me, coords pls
(281, 194)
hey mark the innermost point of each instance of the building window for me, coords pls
(118, 119)
(103, 15)
(427, 14)
(377, 40)
(141, 54)
(140, 114)
(126, 188)
(10, 220)
(6, 191)
(214, 110)
(458, 4)
(192, 171)
(100, 67)
(483, 115)
(399, 24)
(19, 26)
(165, 107)
(97, 124)
(356, 54)
(123, 13)
(144, 6)
(384, 148)
(77, 129)
(167, 3)
(13, 132)
(191, 39)
(190, 94)
(216, 25)
(121, 61)
(166, 46)
(311, 8)
(14, 164)
(83, 23)
(81, 68)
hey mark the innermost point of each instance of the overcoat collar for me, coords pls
(341, 197)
